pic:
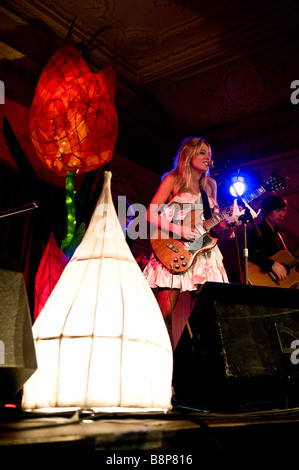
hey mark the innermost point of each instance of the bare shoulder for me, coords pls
(168, 183)
(168, 179)
(164, 191)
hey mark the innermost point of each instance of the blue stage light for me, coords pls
(238, 186)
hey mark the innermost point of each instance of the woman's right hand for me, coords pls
(188, 233)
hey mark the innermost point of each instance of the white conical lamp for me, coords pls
(100, 339)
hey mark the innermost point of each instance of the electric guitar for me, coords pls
(178, 255)
(257, 277)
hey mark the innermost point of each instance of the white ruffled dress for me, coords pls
(207, 267)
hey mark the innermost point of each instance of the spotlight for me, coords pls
(238, 186)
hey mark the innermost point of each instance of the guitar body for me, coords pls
(178, 255)
(257, 277)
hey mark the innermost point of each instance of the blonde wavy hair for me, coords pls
(181, 170)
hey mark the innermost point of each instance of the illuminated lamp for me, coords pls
(238, 186)
(73, 121)
(101, 342)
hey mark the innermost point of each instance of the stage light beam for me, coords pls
(238, 186)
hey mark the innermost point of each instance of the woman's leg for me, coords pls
(167, 299)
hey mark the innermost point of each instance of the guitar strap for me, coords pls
(202, 199)
(279, 236)
(206, 206)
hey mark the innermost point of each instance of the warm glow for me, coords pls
(101, 341)
(73, 121)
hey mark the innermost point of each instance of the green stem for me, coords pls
(70, 211)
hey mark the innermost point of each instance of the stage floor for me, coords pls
(179, 435)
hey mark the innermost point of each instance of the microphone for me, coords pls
(211, 164)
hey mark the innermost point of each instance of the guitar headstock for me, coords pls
(274, 183)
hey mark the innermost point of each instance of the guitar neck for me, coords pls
(258, 192)
(210, 223)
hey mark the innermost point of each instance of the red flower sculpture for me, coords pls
(73, 121)
(49, 271)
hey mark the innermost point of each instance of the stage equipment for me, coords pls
(18, 210)
(17, 352)
(237, 348)
(238, 186)
(100, 339)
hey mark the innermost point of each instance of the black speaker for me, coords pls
(238, 349)
(17, 352)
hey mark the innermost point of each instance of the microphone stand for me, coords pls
(17, 210)
(244, 218)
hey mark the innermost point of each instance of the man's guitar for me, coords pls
(178, 255)
(257, 277)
